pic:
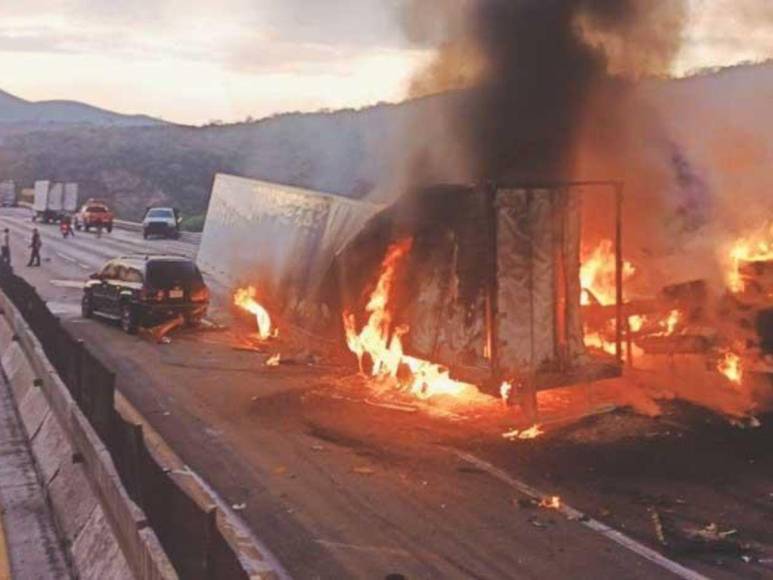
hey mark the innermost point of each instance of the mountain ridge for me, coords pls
(62, 112)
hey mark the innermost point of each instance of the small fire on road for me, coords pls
(245, 298)
(531, 433)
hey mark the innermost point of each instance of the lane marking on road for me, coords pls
(79, 284)
(595, 525)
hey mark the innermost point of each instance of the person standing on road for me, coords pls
(99, 229)
(6, 247)
(35, 247)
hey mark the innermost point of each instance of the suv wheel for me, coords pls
(129, 322)
(145, 234)
(110, 227)
(87, 308)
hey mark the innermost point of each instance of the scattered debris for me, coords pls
(709, 539)
(749, 422)
(246, 348)
(274, 361)
(525, 503)
(537, 523)
(392, 406)
(531, 433)
(159, 333)
(280, 470)
(239, 507)
(364, 470)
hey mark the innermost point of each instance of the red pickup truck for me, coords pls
(93, 214)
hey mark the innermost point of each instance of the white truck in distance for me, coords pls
(53, 200)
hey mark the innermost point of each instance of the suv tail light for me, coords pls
(150, 295)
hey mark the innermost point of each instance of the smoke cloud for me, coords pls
(528, 69)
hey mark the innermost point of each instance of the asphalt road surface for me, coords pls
(339, 487)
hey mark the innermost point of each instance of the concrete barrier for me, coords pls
(255, 559)
(105, 531)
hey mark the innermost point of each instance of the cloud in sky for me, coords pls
(195, 60)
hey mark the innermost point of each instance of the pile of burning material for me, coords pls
(716, 343)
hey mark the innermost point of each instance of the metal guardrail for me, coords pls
(189, 533)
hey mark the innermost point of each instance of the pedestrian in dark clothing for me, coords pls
(6, 247)
(35, 247)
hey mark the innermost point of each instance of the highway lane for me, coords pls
(335, 487)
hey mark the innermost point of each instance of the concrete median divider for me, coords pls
(125, 503)
(104, 531)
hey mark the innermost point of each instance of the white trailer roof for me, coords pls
(279, 238)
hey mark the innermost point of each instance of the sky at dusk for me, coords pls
(193, 61)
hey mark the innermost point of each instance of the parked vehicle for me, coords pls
(161, 221)
(8, 193)
(146, 290)
(94, 214)
(53, 200)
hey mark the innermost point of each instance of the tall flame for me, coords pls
(245, 298)
(730, 366)
(597, 274)
(383, 343)
(756, 247)
(670, 323)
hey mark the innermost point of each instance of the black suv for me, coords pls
(146, 289)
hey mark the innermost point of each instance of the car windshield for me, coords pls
(161, 213)
(166, 274)
(96, 209)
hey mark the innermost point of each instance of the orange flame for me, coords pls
(757, 247)
(730, 365)
(597, 274)
(383, 344)
(636, 322)
(274, 361)
(245, 298)
(552, 503)
(531, 433)
(505, 390)
(670, 323)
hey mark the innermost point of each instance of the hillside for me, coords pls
(16, 111)
(352, 153)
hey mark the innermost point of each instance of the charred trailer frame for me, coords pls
(492, 287)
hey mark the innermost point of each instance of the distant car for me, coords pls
(161, 221)
(146, 290)
(93, 214)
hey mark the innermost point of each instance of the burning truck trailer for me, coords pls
(452, 287)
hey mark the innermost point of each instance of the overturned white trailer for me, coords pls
(280, 239)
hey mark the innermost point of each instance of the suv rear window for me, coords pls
(96, 209)
(163, 275)
(160, 213)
